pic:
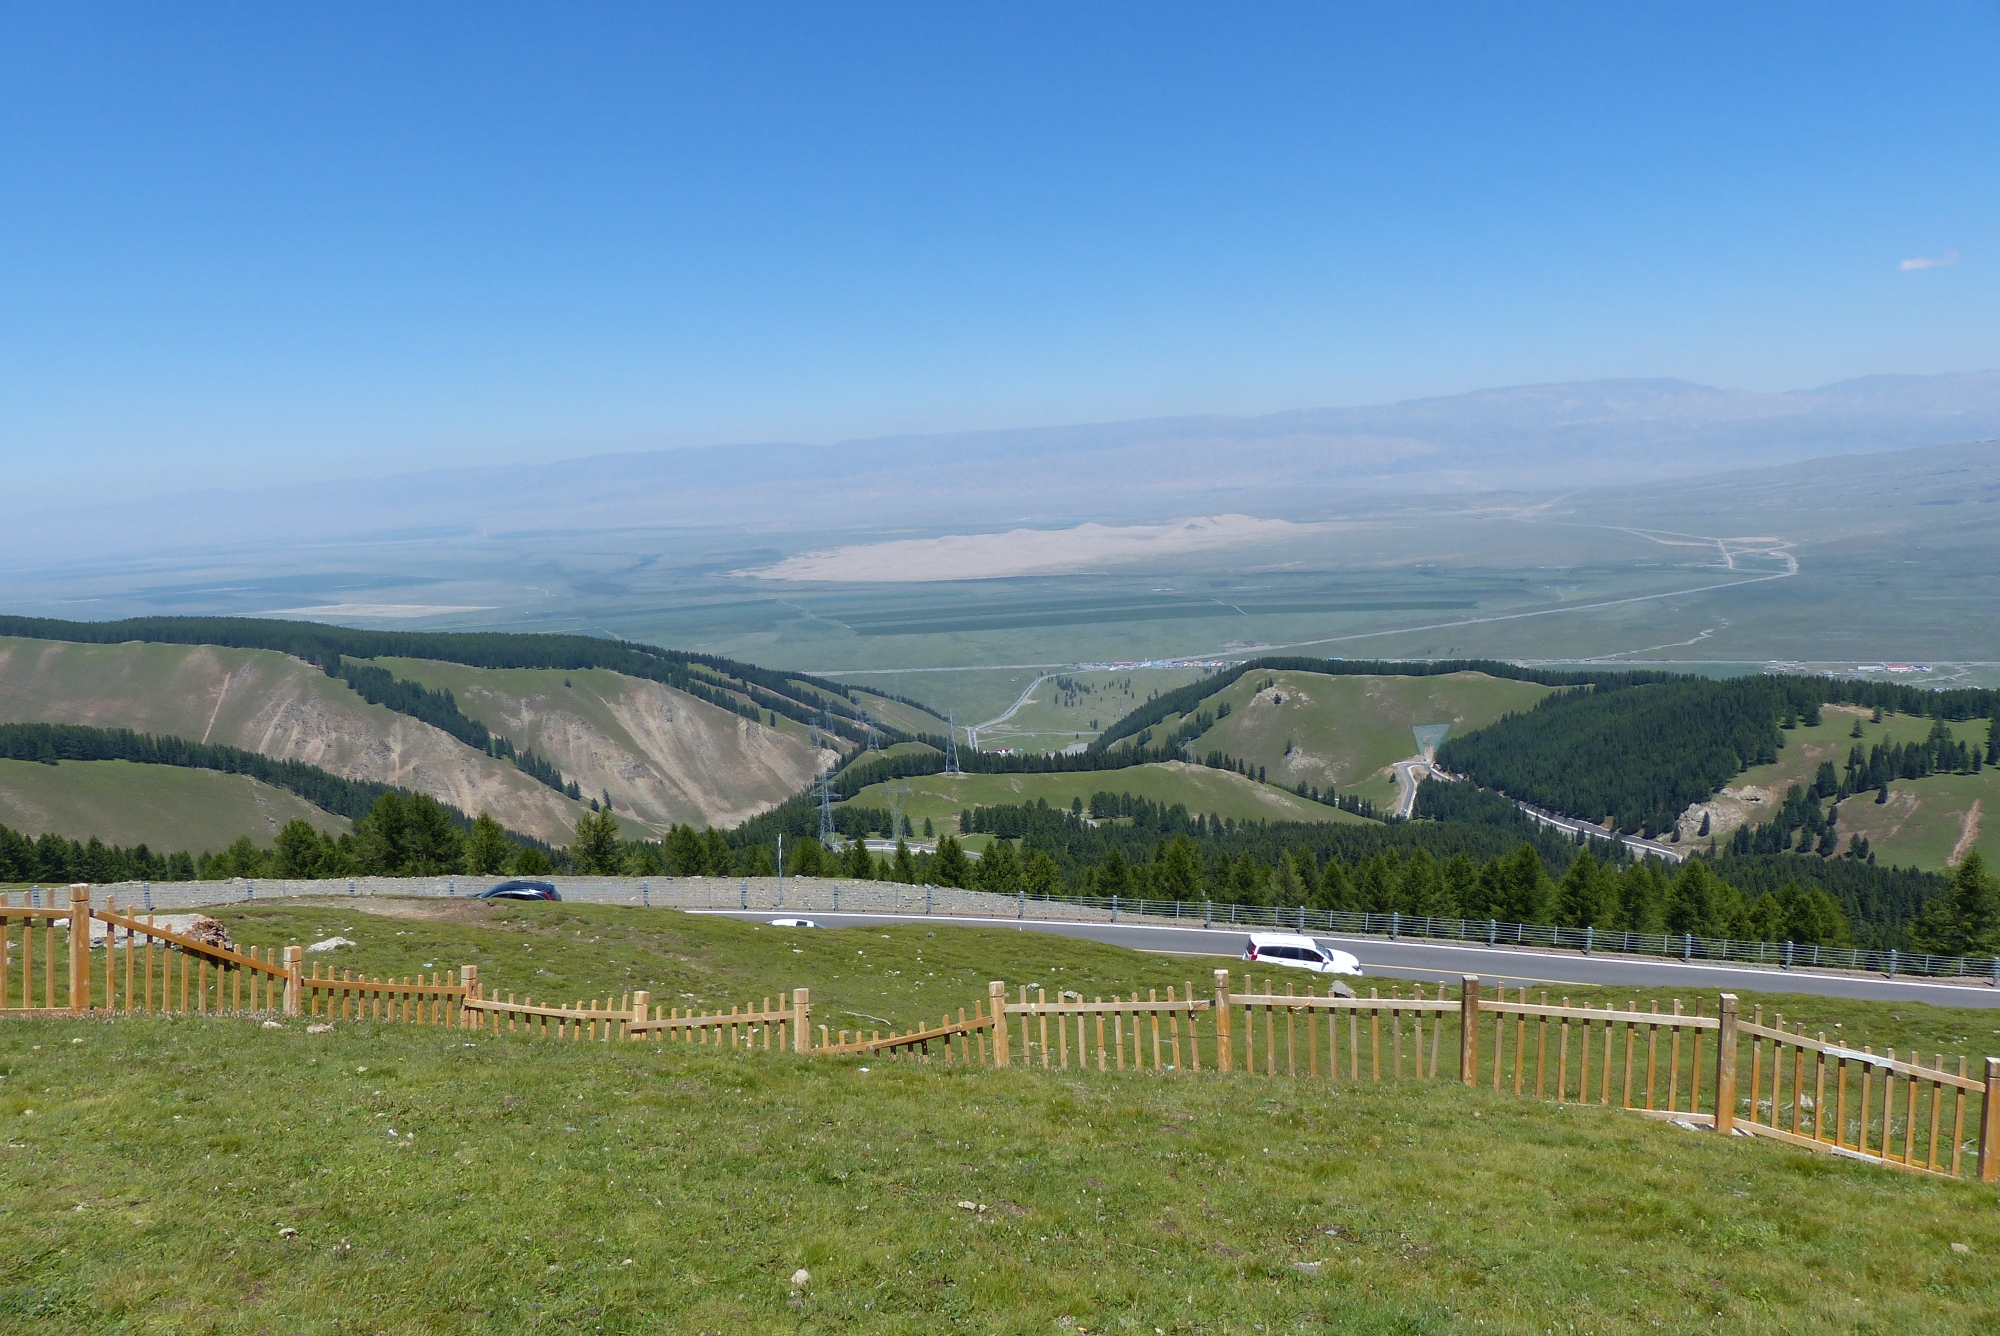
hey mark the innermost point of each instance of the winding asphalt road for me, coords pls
(1430, 961)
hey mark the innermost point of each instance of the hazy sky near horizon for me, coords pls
(282, 242)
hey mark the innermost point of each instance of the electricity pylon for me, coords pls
(951, 745)
(826, 835)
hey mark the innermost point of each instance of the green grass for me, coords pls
(1921, 824)
(1830, 740)
(895, 714)
(166, 807)
(1054, 719)
(1347, 731)
(148, 1189)
(1925, 819)
(893, 749)
(1221, 793)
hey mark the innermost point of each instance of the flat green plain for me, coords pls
(1221, 793)
(168, 808)
(211, 1176)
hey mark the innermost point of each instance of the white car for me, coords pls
(793, 923)
(1296, 952)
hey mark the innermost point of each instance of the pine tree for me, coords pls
(686, 856)
(951, 867)
(1000, 869)
(1113, 875)
(1042, 876)
(595, 849)
(1286, 885)
(487, 849)
(1965, 921)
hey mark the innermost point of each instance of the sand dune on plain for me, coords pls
(989, 556)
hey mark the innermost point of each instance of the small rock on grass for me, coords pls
(319, 1029)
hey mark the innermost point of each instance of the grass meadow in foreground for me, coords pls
(442, 1182)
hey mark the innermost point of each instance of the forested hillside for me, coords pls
(1639, 755)
(1635, 756)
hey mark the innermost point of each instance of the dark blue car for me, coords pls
(522, 890)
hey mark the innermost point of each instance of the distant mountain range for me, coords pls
(1289, 465)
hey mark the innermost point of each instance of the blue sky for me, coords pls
(282, 242)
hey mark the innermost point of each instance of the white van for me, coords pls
(1290, 949)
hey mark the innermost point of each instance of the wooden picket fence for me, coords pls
(977, 1040)
(1708, 1070)
(34, 930)
(1847, 1124)
(435, 1000)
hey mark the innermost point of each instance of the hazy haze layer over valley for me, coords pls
(1637, 521)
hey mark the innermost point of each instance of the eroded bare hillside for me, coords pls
(662, 756)
(269, 703)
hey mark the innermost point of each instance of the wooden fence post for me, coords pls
(79, 947)
(1989, 1126)
(802, 1041)
(1468, 1029)
(468, 979)
(295, 966)
(1725, 1066)
(996, 1002)
(642, 1011)
(1223, 1056)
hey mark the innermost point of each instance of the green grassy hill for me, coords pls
(1073, 707)
(165, 807)
(271, 703)
(1922, 825)
(1347, 731)
(662, 756)
(1222, 793)
(532, 1185)
(1931, 822)
(898, 714)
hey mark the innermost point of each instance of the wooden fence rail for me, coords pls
(1645, 1061)
(978, 1040)
(34, 930)
(779, 1024)
(1721, 1071)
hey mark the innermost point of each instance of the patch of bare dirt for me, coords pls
(273, 704)
(662, 756)
(1966, 837)
(1745, 805)
(422, 908)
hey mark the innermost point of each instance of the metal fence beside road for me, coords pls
(826, 895)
